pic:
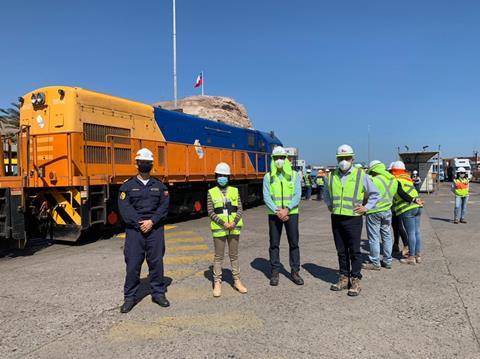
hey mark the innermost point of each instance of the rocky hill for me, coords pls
(215, 108)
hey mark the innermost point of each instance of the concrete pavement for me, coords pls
(63, 301)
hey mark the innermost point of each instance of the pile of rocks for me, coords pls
(215, 108)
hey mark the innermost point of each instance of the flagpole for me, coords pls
(203, 81)
(174, 55)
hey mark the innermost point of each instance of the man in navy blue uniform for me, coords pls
(143, 203)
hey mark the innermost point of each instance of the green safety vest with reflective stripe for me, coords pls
(345, 197)
(399, 205)
(226, 208)
(282, 191)
(320, 181)
(461, 187)
(387, 188)
(307, 180)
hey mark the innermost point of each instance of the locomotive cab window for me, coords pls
(261, 146)
(251, 140)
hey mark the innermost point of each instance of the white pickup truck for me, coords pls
(462, 162)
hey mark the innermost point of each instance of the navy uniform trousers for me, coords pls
(138, 246)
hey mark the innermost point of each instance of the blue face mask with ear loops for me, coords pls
(222, 181)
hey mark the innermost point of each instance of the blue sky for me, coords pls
(316, 72)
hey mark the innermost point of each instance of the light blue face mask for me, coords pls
(222, 181)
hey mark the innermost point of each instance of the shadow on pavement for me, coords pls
(263, 265)
(144, 288)
(325, 274)
(227, 275)
(441, 219)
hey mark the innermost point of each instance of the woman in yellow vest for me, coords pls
(408, 206)
(460, 188)
(225, 211)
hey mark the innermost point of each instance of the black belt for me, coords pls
(231, 209)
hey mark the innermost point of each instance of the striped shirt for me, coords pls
(211, 210)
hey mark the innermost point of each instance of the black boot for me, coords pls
(296, 278)
(274, 278)
(161, 300)
(126, 307)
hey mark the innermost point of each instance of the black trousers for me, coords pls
(398, 232)
(139, 246)
(347, 231)
(275, 226)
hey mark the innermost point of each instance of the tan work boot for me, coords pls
(354, 289)
(405, 251)
(217, 289)
(409, 260)
(237, 284)
(341, 284)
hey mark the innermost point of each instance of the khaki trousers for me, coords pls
(219, 244)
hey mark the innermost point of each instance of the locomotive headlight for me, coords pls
(38, 99)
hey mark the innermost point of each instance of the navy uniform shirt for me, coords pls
(138, 202)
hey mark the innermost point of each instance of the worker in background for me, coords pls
(398, 228)
(143, 203)
(417, 181)
(346, 190)
(460, 187)
(225, 211)
(408, 205)
(320, 181)
(281, 194)
(379, 218)
(307, 180)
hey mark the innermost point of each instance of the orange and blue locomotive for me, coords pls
(76, 147)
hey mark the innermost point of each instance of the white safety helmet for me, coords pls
(373, 163)
(327, 170)
(309, 170)
(462, 170)
(345, 151)
(144, 154)
(223, 169)
(390, 166)
(398, 165)
(279, 151)
(415, 172)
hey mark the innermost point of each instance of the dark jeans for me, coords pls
(319, 193)
(398, 232)
(275, 226)
(347, 231)
(138, 246)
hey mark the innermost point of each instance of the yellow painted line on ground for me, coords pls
(197, 247)
(121, 235)
(185, 240)
(201, 258)
(177, 274)
(167, 327)
(181, 233)
(169, 227)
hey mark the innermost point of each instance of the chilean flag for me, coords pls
(199, 81)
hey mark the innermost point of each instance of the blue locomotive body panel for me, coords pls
(183, 128)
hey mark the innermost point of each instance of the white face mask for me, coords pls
(344, 165)
(279, 163)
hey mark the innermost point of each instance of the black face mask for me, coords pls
(145, 167)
